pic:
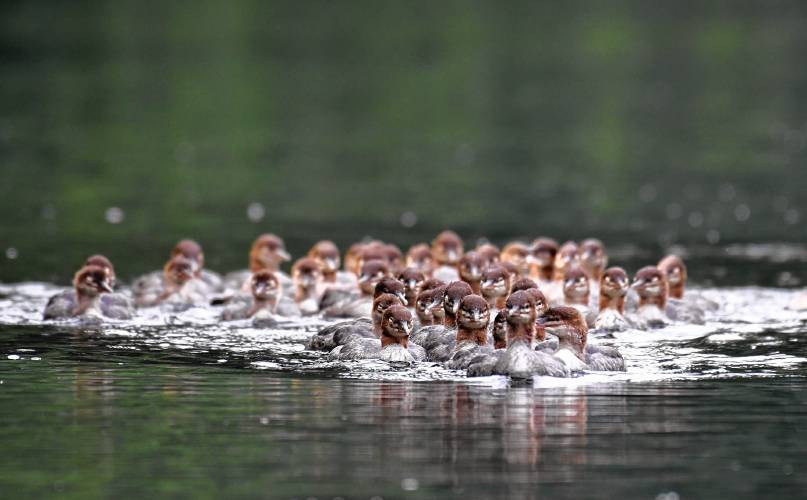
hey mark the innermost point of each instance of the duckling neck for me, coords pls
(259, 304)
(540, 333)
(387, 339)
(85, 302)
(543, 273)
(610, 302)
(305, 292)
(573, 339)
(256, 264)
(476, 285)
(477, 335)
(450, 320)
(520, 331)
(426, 319)
(580, 300)
(329, 276)
(677, 291)
(659, 301)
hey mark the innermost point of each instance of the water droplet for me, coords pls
(12, 253)
(464, 154)
(695, 219)
(713, 236)
(255, 211)
(409, 219)
(36, 358)
(410, 484)
(13, 356)
(48, 212)
(647, 193)
(792, 216)
(742, 212)
(674, 211)
(184, 152)
(114, 215)
(726, 192)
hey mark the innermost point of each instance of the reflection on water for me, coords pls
(105, 429)
(181, 404)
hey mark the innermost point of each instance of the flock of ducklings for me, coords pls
(522, 310)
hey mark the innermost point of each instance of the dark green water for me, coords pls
(647, 124)
(644, 123)
(84, 423)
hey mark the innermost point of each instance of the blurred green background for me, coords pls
(127, 125)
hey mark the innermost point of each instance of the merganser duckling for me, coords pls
(675, 270)
(268, 252)
(352, 305)
(412, 280)
(651, 285)
(519, 255)
(153, 283)
(90, 284)
(327, 254)
(576, 293)
(192, 251)
(110, 300)
(573, 348)
(434, 303)
(614, 286)
(431, 336)
(471, 311)
(490, 254)
(395, 258)
(542, 265)
(420, 257)
(182, 287)
(424, 303)
(495, 286)
(266, 291)
(593, 258)
(351, 263)
(565, 259)
(394, 346)
(333, 335)
(521, 284)
(520, 360)
(105, 264)
(472, 333)
(470, 270)
(484, 363)
(360, 327)
(307, 277)
(689, 309)
(447, 251)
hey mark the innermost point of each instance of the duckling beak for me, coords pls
(283, 254)
(402, 296)
(638, 283)
(363, 279)
(105, 286)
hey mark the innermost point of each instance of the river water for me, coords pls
(171, 403)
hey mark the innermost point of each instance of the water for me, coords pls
(173, 403)
(127, 125)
